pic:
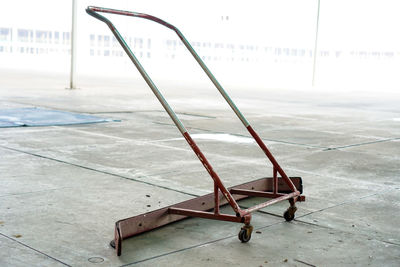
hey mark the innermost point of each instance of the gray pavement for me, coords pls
(63, 187)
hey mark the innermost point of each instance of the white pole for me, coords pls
(315, 46)
(72, 84)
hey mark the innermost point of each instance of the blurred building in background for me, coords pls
(264, 43)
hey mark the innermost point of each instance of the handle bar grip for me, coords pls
(92, 10)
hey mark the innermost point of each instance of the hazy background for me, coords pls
(263, 44)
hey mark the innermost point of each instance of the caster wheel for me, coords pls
(245, 233)
(289, 213)
(112, 243)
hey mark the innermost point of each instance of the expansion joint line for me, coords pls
(38, 251)
(95, 170)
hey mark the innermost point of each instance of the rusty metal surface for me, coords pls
(205, 215)
(132, 226)
(273, 201)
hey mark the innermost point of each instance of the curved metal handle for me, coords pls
(91, 10)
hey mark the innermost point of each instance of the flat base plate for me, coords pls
(132, 226)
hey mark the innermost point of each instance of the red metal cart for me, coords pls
(275, 188)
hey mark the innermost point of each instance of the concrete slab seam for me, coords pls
(346, 232)
(362, 144)
(348, 202)
(154, 143)
(95, 170)
(305, 263)
(243, 135)
(33, 154)
(38, 251)
(165, 254)
(259, 228)
(225, 238)
(331, 176)
(196, 246)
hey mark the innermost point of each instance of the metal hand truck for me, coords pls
(207, 206)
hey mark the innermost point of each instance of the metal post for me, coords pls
(275, 179)
(73, 46)
(216, 198)
(316, 45)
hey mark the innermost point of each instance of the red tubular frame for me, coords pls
(241, 215)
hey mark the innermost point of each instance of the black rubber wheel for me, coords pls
(112, 243)
(288, 215)
(244, 236)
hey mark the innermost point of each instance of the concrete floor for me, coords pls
(63, 187)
